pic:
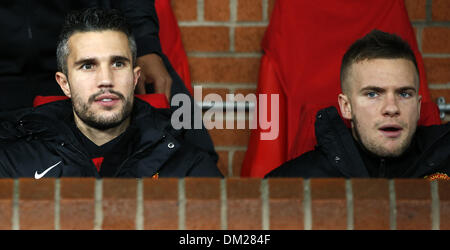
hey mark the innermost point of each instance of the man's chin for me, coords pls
(103, 124)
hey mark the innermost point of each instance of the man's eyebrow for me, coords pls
(84, 61)
(406, 88)
(372, 88)
(120, 58)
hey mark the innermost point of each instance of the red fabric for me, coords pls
(98, 162)
(170, 37)
(303, 48)
(155, 100)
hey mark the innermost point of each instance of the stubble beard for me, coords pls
(97, 121)
(377, 147)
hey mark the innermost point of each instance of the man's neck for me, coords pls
(100, 137)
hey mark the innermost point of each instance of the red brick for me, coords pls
(119, 203)
(248, 39)
(245, 92)
(228, 70)
(238, 159)
(217, 10)
(244, 204)
(416, 9)
(77, 203)
(371, 204)
(6, 203)
(440, 10)
(203, 202)
(37, 203)
(205, 39)
(413, 200)
(328, 204)
(249, 10)
(436, 93)
(185, 10)
(230, 137)
(160, 204)
(436, 40)
(219, 91)
(223, 162)
(444, 204)
(286, 203)
(437, 70)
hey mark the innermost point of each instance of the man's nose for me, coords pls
(390, 107)
(105, 77)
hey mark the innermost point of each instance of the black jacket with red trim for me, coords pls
(338, 155)
(40, 142)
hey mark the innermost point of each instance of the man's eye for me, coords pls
(118, 64)
(87, 66)
(405, 94)
(372, 94)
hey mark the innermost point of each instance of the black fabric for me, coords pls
(389, 167)
(34, 139)
(339, 155)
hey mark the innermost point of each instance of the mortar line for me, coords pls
(15, 220)
(349, 198)
(139, 205)
(265, 204)
(98, 221)
(57, 204)
(181, 205)
(223, 204)
(392, 205)
(307, 204)
(435, 209)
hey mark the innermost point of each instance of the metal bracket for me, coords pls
(443, 107)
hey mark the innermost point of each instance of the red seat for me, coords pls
(155, 100)
(303, 48)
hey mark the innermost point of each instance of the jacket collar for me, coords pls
(335, 139)
(52, 122)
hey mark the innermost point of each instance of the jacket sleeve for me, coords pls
(141, 14)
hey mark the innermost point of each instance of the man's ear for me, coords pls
(61, 78)
(345, 106)
(137, 74)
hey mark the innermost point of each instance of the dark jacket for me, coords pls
(33, 140)
(338, 155)
(29, 33)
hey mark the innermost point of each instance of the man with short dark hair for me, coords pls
(380, 84)
(102, 131)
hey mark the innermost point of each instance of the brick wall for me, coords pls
(431, 21)
(222, 39)
(232, 203)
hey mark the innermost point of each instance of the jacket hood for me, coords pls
(336, 141)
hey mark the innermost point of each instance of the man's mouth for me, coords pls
(107, 100)
(391, 130)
